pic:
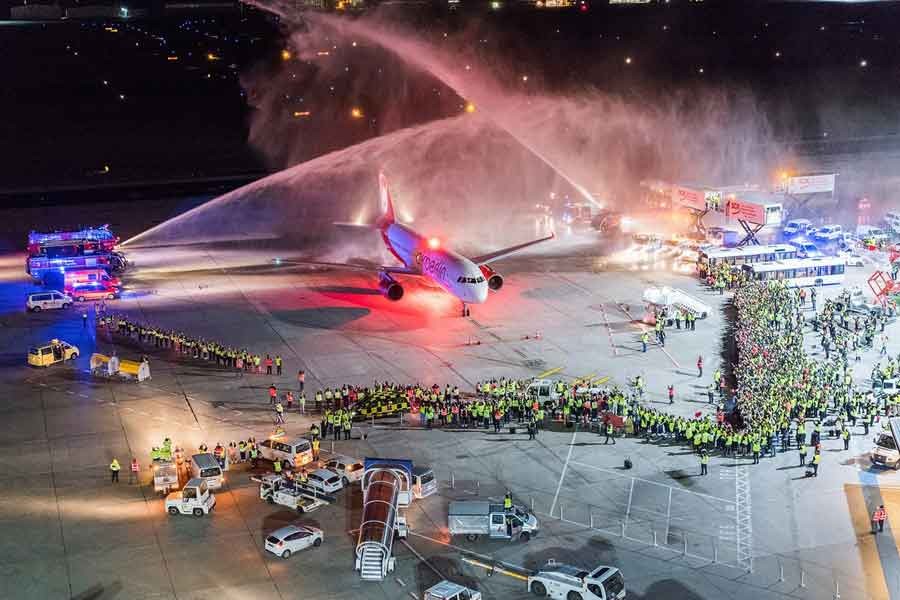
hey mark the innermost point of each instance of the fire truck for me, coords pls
(51, 255)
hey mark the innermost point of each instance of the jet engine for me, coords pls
(389, 287)
(494, 279)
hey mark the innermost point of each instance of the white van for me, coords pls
(206, 467)
(39, 301)
(830, 233)
(296, 452)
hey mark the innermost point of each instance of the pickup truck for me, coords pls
(474, 518)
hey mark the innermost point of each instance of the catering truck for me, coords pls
(474, 518)
(276, 489)
(567, 582)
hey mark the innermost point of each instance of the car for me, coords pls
(291, 539)
(325, 481)
(350, 470)
(50, 300)
(93, 291)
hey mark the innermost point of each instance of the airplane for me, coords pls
(469, 279)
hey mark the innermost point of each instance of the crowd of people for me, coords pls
(780, 388)
(241, 360)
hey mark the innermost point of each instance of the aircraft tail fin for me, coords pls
(386, 205)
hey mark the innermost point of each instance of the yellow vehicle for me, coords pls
(51, 353)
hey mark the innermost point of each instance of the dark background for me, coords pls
(187, 120)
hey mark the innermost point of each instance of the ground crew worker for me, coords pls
(609, 433)
(817, 458)
(644, 339)
(346, 424)
(756, 450)
(315, 448)
(301, 379)
(302, 402)
(532, 427)
(278, 364)
(242, 450)
(254, 455)
(878, 518)
(279, 412)
(276, 464)
(304, 478)
(845, 434)
(507, 502)
(704, 463)
(709, 393)
(671, 394)
(84, 321)
(802, 454)
(268, 363)
(336, 426)
(114, 468)
(135, 471)
(273, 393)
(700, 366)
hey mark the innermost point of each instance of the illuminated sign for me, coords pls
(691, 198)
(811, 184)
(745, 211)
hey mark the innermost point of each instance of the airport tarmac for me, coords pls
(744, 531)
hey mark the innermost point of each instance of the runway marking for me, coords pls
(630, 495)
(237, 413)
(642, 327)
(471, 553)
(612, 342)
(84, 395)
(546, 374)
(875, 582)
(650, 481)
(562, 475)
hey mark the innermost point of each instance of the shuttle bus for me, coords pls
(712, 257)
(798, 272)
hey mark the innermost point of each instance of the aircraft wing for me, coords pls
(349, 266)
(497, 254)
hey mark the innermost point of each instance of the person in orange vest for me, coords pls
(273, 393)
(699, 366)
(878, 518)
(268, 363)
(135, 471)
(301, 378)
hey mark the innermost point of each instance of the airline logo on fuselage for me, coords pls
(435, 268)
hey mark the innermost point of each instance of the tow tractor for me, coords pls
(567, 582)
(276, 489)
(195, 499)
